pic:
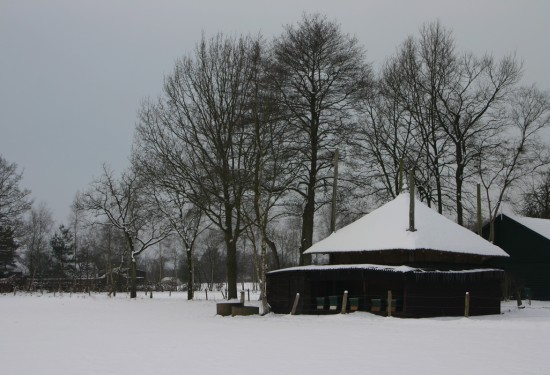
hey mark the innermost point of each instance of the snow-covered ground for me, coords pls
(81, 334)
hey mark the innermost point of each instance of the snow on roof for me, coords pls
(375, 267)
(379, 267)
(540, 226)
(386, 228)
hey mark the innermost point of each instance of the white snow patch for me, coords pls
(375, 267)
(379, 267)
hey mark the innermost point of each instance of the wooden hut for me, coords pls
(428, 270)
(527, 241)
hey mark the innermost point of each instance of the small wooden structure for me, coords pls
(428, 270)
(415, 292)
(244, 310)
(225, 308)
(235, 308)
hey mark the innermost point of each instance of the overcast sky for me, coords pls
(73, 73)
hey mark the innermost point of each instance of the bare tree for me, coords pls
(37, 250)
(519, 152)
(468, 107)
(185, 219)
(14, 200)
(200, 132)
(76, 221)
(91, 256)
(112, 251)
(435, 61)
(8, 255)
(210, 264)
(320, 74)
(433, 109)
(535, 201)
(387, 138)
(125, 208)
(287, 237)
(168, 189)
(274, 170)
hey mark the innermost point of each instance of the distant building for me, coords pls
(527, 241)
(428, 270)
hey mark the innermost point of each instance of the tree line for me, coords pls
(89, 254)
(242, 144)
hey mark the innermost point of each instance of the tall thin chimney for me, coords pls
(400, 188)
(411, 201)
(334, 193)
(479, 221)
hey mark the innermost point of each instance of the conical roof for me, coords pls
(386, 228)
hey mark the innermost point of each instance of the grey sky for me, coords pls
(73, 73)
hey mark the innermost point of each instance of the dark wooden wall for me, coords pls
(415, 258)
(529, 262)
(418, 294)
(443, 294)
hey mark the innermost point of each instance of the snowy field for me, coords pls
(81, 334)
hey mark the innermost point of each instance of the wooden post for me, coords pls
(518, 298)
(411, 201)
(151, 294)
(248, 291)
(334, 193)
(467, 305)
(345, 302)
(479, 223)
(242, 297)
(206, 290)
(389, 302)
(295, 306)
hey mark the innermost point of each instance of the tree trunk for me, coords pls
(439, 195)
(334, 193)
(231, 266)
(459, 179)
(307, 229)
(263, 284)
(459, 209)
(308, 218)
(133, 285)
(479, 219)
(274, 253)
(190, 286)
(133, 288)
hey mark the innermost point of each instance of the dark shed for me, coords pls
(428, 270)
(417, 292)
(527, 241)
